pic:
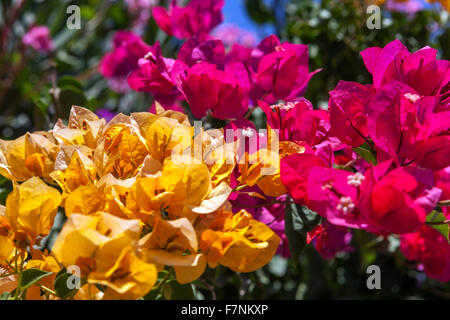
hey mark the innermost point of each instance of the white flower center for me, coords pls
(247, 132)
(412, 97)
(288, 106)
(149, 55)
(356, 179)
(345, 205)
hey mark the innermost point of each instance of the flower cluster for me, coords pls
(376, 160)
(384, 163)
(233, 79)
(153, 193)
(136, 201)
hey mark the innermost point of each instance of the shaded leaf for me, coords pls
(443, 228)
(31, 276)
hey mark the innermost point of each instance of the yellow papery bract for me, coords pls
(80, 171)
(191, 182)
(128, 278)
(78, 238)
(32, 154)
(124, 152)
(263, 169)
(6, 250)
(160, 133)
(86, 199)
(81, 118)
(176, 234)
(31, 208)
(174, 243)
(238, 242)
(84, 128)
(103, 247)
(215, 200)
(92, 236)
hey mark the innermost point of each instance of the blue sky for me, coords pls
(235, 13)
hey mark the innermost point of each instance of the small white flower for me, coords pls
(356, 179)
(345, 205)
(247, 132)
(288, 106)
(412, 97)
(149, 56)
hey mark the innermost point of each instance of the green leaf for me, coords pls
(42, 103)
(299, 220)
(31, 276)
(61, 287)
(365, 153)
(68, 81)
(167, 291)
(433, 220)
(181, 291)
(70, 96)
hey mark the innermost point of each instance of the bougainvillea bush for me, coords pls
(214, 176)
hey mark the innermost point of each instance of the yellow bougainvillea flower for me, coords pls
(190, 181)
(160, 133)
(42, 261)
(102, 246)
(84, 236)
(88, 292)
(128, 278)
(31, 208)
(6, 243)
(32, 154)
(263, 169)
(120, 152)
(174, 243)
(84, 128)
(238, 242)
(79, 170)
(86, 199)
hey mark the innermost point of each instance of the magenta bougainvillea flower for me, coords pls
(277, 71)
(295, 170)
(329, 239)
(419, 70)
(208, 88)
(297, 121)
(430, 248)
(154, 73)
(398, 200)
(128, 48)
(197, 18)
(348, 116)
(402, 119)
(231, 79)
(195, 50)
(38, 37)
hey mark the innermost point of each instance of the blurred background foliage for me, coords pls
(36, 89)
